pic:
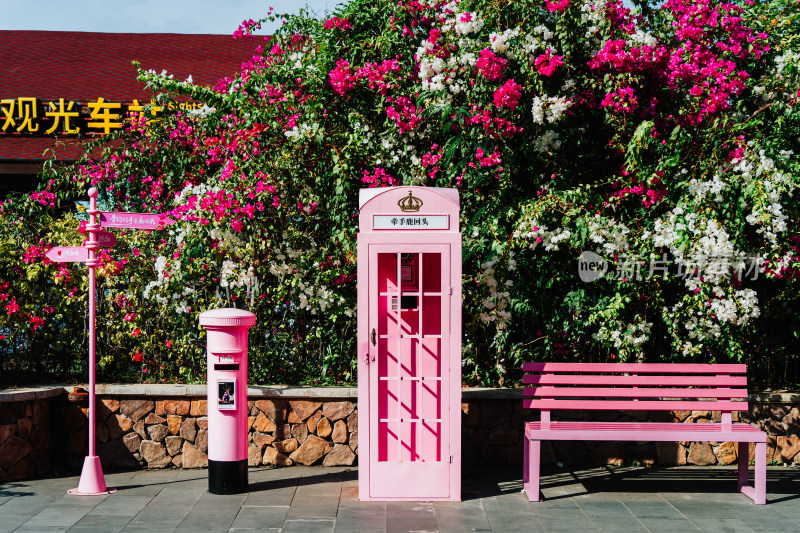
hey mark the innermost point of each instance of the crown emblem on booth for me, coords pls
(409, 203)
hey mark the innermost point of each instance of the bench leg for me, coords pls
(530, 473)
(743, 459)
(758, 491)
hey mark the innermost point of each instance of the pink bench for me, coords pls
(641, 387)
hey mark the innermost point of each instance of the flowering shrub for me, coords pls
(663, 139)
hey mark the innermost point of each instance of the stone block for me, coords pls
(283, 432)
(773, 427)
(340, 455)
(264, 424)
(726, 453)
(300, 432)
(470, 414)
(158, 432)
(504, 434)
(608, 453)
(339, 434)
(311, 451)
(6, 430)
(670, 454)
(250, 421)
(74, 418)
(791, 422)
(352, 422)
(353, 442)
(154, 453)
(495, 412)
(115, 453)
(700, 415)
(24, 427)
(132, 442)
(262, 440)
(324, 428)
(174, 423)
(286, 446)
(787, 448)
(202, 422)
(106, 407)
(201, 442)
(153, 418)
(312, 422)
(177, 460)
(175, 407)
(300, 410)
(338, 410)
(173, 444)
(118, 425)
(18, 471)
(100, 432)
(198, 408)
(138, 427)
(192, 457)
(253, 455)
(700, 453)
(277, 410)
(188, 431)
(275, 458)
(12, 451)
(136, 409)
(40, 440)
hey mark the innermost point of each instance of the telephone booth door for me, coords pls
(409, 333)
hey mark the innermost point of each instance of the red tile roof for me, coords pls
(83, 66)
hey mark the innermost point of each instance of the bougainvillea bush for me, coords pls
(663, 139)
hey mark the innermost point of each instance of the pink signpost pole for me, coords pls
(92, 481)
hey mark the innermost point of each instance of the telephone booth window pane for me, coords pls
(431, 272)
(387, 272)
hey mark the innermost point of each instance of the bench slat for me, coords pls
(632, 431)
(641, 368)
(643, 405)
(593, 379)
(609, 392)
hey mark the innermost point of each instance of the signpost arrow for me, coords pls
(106, 239)
(114, 219)
(68, 254)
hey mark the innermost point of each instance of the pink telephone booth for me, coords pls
(409, 342)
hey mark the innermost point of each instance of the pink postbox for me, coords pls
(409, 344)
(227, 398)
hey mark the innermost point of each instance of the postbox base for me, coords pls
(227, 477)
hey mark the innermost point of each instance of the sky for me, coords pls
(147, 16)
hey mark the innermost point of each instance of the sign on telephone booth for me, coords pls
(409, 342)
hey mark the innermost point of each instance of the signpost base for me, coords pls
(92, 482)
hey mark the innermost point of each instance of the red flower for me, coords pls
(136, 332)
(138, 357)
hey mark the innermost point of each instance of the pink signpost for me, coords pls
(409, 344)
(92, 482)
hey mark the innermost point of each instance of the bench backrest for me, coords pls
(636, 387)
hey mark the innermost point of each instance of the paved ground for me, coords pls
(319, 499)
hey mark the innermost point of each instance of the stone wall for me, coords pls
(150, 433)
(25, 434)
(165, 426)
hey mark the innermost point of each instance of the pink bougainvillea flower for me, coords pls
(507, 95)
(490, 65)
(559, 5)
(342, 78)
(622, 101)
(547, 63)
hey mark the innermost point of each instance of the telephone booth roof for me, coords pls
(429, 208)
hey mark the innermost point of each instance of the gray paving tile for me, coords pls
(10, 522)
(24, 528)
(722, 525)
(260, 517)
(605, 509)
(121, 504)
(206, 522)
(608, 524)
(29, 505)
(338, 529)
(57, 517)
(100, 523)
(529, 524)
(148, 528)
(566, 524)
(308, 526)
(667, 524)
(654, 509)
(467, 519)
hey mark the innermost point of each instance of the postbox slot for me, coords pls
(227, 366)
